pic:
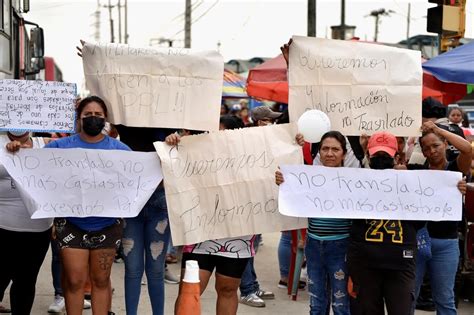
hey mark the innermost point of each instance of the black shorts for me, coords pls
(70, 236)
(229, 267)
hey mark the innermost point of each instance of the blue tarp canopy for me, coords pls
(456, 65)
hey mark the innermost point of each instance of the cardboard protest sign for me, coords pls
(223, 184)
(83, 183)
(336, 192)
(43, 106)
(150, 87)
(362, 87)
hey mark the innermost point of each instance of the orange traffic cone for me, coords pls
(189, 299)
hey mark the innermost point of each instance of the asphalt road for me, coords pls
(267, 272)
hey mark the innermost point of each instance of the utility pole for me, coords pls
(187, 25)
(112, 39)
(97, 23)
(126, 22)
(408, 19)
(342, 34)
(312, 18)
(119, 9)
(377, 14)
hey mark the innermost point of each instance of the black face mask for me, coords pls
(381, 162)
(93, 125)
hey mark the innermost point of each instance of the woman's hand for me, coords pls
(15, 146)
(285, 50)
(299, 138)
(462, 186)
(79, 49)
(279, 178)
(173, 139)
(430, 126)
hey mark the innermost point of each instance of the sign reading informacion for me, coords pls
(362, 87)
(156, 87)
(222, 184)
(43, 106)
(353, 193)
(83, 183)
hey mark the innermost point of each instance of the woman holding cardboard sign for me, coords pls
(228, 256)
(327, 242)
(24, 241)
(88, 245)
(444, 260)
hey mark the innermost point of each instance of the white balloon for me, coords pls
(313, 124)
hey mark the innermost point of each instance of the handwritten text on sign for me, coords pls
(37, 105)
(222, 184)
(362, 87)
(148, 87)
(82, 183)
(334, 192)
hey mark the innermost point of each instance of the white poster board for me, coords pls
(83, 183)
(33, 105)
(362, 87)
(354, 193)
(223, 184)
(156, 87)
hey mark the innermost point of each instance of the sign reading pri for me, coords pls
(148, 87)
(352, 193)
(44, 106)
(363, 88)
(83, 183)
(223, 184)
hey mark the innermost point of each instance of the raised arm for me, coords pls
(464, 147)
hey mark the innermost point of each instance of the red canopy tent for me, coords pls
(269, 81)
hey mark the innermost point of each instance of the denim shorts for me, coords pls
(70, 236)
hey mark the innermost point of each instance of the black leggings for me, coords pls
(22, 256)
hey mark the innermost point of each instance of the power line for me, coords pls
(194, 6)
(198, 18)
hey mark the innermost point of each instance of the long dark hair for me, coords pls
(335, 135)
(85, 101)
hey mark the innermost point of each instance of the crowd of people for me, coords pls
(359, 267)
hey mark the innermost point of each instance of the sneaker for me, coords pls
(143, 280)
(265, 295)
(57, 306)
(284, 285)
(304, 274)
(252, 300)
(170, 278)
(87, 305)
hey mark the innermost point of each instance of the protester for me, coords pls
(381, 254)
(443, 264)
(224, 109)
(88, 245)
(327, 242)
(250, 292)
(228, 256)
(24, 241)
(455, 115)
(263, 116)
(146, 237)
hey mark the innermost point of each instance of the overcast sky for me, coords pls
(243, 28)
